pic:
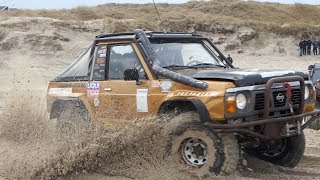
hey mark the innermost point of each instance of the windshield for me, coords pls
(185, 55)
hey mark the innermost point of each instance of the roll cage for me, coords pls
(139, 38)
(142, 40)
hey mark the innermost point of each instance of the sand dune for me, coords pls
(33, 50)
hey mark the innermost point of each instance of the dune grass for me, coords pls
(297, 19)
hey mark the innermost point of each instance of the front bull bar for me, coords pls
(273, 125)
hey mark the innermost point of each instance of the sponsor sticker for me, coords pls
(75, 85)
(96, 102)
(190, 93)
(142, 100)
(93, 89)
(96, 67)
(60, 91)
(155, 84)
(166, 85)
(100, 61)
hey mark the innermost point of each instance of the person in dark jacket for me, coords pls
(302, 47)
(304, 42)
(315, 47)
(230, 58)
(319, 46)
(309, 43)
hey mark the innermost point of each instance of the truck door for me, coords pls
(121, 99)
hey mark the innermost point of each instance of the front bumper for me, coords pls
(273, 127)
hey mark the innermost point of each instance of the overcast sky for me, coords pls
(55, 4)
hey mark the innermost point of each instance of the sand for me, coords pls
(34, 50)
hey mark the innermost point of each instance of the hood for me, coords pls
(241, 77)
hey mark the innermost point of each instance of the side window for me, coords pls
(121, 58)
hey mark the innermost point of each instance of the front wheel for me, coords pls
(196, 149)
(315, 125)
(285, 152)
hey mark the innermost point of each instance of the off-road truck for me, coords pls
(314, 76)
(216, 108)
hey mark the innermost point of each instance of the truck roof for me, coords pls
(150, 34)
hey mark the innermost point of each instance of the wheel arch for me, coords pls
(59, 104)
(186, 105)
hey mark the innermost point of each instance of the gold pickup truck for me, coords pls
(224, 109)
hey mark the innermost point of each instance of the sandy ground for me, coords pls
(33, 51)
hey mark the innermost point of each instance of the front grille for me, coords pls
(279, 103)
(259, 104)
(259, 99)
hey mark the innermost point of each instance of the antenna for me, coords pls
(155, 6)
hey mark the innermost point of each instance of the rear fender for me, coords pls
(58, 106)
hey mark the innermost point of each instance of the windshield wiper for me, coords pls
(179, 67)
(206, 65)
(196, 66)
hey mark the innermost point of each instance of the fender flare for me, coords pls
(58, 106)
(199, 105)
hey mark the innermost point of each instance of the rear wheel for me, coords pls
(74, 119)
(198, 150)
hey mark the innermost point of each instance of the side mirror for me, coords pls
(131, 74)
(317, 84)
(310, 67)
(310, 71)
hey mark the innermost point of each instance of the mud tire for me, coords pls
(223, 149)
(232, 154)
(74, 119)
(292, 153)
(315, 125)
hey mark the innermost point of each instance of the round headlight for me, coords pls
(306, 92)
(241, 101)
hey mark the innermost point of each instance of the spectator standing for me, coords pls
(302, 47)
(309, 43)
(319, 46)
(315, 47)
(230, 58)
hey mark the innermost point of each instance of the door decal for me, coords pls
(142, 100)
(93, 89)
